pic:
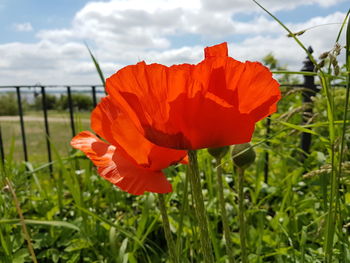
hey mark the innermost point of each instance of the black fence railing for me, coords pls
(308, 87)
(94, 90)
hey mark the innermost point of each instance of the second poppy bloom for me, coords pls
(128, 160)
(212, 104)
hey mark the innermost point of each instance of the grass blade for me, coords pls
(41, 222)
(97, 66)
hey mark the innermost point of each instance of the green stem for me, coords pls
(331, 218)
(22, 222)
(242, 226)
(224, 218)
(199, 208)
(167, 231)
(184, 208)
(340, 194)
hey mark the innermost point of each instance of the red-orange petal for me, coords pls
(211, 104)
(219, 50)
(102, 118)
(204, 122)
(118, 169)
(259, 98)
(116, 127)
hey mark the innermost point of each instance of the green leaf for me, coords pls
(41, 222)
(126, 233)
(303, 129)
(74, 258)
(78, 244)
(122, 250)
(97, 65)
(20, 255)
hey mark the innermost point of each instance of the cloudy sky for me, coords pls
(43, 41)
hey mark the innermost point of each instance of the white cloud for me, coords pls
(271, 5)
(321, 38)
(23, 27)
(122, 32)
(259, 25)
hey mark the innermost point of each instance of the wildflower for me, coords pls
(129, 160)
(212, 104)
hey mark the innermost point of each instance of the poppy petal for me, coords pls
(212, 104)
(196, 122)
(115, 167)
(257, 91)
(216, 51)
(155, 84)
(102, 118)
(117, 128)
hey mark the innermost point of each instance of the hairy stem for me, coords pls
(242, 225)
(166, 227)
(199, 208)
(21, 218)
(224, 218)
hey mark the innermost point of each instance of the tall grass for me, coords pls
(331, 184)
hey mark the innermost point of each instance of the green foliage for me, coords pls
(80, 102)
(273, 64)
(51, 102)
(270, 61)
(8, 104)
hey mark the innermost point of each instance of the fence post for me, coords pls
(309, 90)
(70, 106)
(2, 152)
(94, 99)
(47, 131)
(20, 112)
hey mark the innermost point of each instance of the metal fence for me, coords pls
(309, 88)
(68, 90)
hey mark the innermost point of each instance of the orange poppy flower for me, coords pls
(212, 104)
(130, 161)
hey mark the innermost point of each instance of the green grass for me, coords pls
(58, 114)
(333, 192)
(60, 134)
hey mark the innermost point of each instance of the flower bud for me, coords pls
(218, 152)
(324, 55)
(336, 70)
(243, 155)
(322, 63)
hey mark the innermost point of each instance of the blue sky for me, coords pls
(40, 37)
(306, 12)
(44, 14)
(41, 14)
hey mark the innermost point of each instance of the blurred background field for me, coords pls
(35, 133)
